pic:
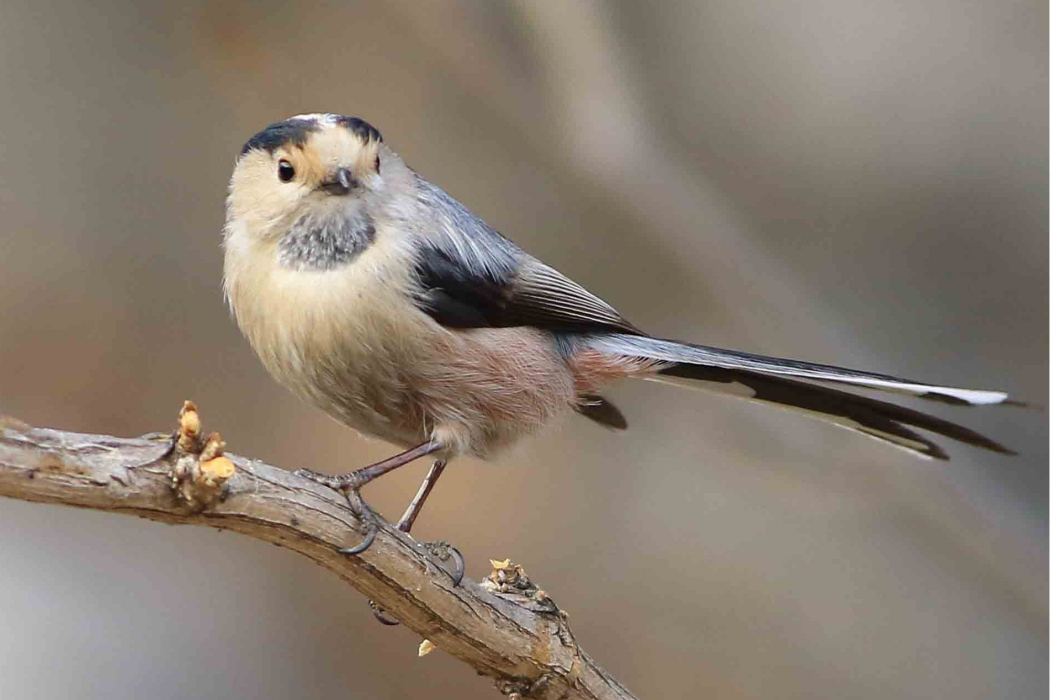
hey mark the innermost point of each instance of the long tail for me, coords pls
(776, 381)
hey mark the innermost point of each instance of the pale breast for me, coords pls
(351, 341)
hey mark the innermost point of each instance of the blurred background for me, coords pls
(847, 182)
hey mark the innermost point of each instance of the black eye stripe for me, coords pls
(285, 171)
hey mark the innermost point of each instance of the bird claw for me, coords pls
(345, 484)
(442, 551)
(365, 515)
(370, 537)
(381, 616)
(445, 551)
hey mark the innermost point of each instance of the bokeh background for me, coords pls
(848, 182)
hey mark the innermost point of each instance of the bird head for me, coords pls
(321, 167)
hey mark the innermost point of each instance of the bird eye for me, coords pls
(377, 164)
(285, 171)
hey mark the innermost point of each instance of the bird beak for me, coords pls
(340, 182)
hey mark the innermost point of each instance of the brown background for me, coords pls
(850, 182)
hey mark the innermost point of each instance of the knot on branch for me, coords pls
(510, 580)
(201, 472)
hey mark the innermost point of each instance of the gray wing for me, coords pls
(472, 277)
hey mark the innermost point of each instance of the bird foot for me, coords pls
(350, 485)
(345, 484)
(442, 551)
(367, 516)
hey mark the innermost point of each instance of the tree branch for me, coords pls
(503, 628)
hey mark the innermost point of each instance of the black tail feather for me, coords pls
(878, 419)
(602, 411)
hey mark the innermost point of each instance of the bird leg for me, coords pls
(406, 521)
(353, 481)
(440, 550)
(350, 484)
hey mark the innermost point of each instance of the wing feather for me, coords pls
(470, 276)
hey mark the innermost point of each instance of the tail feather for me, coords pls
(674, 351)
(774, 381)
(602, 411)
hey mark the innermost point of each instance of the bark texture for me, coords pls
(503, 627)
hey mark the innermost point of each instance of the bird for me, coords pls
(371, 293)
